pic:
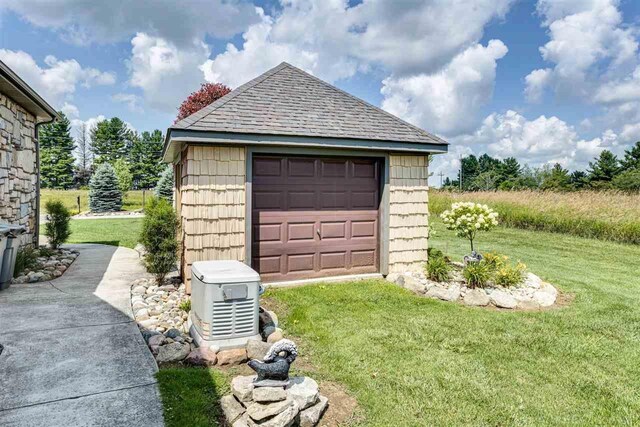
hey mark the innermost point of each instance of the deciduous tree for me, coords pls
(208, 93)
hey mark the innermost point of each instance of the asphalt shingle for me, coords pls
(288, 101)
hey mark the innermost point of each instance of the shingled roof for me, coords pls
(288, 101)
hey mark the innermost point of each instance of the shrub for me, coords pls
(467, 218)
(477, 274)
(123, 174)
(438, 269)
(57, 227)
(164, 188)
(104, 192)
(185, 305)
(494, 260)
(509, 275)
(26, 259)
(159, 228)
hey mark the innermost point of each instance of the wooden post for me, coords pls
(143, 196)
(78, 205)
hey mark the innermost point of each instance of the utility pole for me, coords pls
(460, 157)
(440, 175)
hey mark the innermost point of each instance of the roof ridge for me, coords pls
(191, 119)
(362, 101)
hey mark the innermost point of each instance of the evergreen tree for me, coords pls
(603, 170)
(579, 179)
(631, 158)
(628, 180)
(486, 163)
(470, 169)
(104, 193)
(557, 179)
(56, 154)
(111, 140)
(510, 168)
(145, 159)
(164, 189)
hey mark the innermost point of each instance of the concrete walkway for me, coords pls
(73, 356)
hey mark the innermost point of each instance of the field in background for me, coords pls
(602, 215)
(132, 201)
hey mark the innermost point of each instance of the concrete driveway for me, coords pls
(73, 356)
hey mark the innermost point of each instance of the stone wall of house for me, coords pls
(18, 168)
(212, 212)
(408, 212)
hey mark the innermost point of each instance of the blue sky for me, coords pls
(545, 81)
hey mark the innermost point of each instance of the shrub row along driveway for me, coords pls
(72, 353)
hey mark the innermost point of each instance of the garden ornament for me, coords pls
(273, 371)
(473, 257)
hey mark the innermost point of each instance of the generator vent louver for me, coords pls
(232, 318)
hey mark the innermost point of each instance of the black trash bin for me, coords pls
(12, 233)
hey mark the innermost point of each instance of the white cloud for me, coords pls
(589, 44)
(165, 72)
(58, 79)
(447, 101)
(132, 101)
(620, 90)
(70, 110)
(82, 22)
(544, 140)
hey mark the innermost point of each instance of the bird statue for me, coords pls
(274, 369)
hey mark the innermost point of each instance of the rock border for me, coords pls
(533, 293)
(49, 267)
(163, 325)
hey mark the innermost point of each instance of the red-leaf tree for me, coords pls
(199, 99)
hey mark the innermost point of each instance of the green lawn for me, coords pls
(132, 201)
(412, 361)
(117, 232)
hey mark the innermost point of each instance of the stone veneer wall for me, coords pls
(18, 168)
(408, 212)
(213, 205)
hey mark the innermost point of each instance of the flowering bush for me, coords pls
(467, 218)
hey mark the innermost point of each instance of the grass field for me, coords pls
(602, 215)
(116, 232)
(412, 361)
(132, 202)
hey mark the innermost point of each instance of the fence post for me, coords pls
(144, 192)
(78, 205)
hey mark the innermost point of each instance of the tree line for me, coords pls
(606, 171)
(135, 157)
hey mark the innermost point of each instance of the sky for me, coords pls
(544, 81)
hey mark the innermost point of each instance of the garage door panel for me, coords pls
(318, 217)
(267, 166)
(301, 262)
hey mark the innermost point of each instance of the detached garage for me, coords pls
(301, 181)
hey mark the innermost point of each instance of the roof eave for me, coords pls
(20, 92)
(177, 137)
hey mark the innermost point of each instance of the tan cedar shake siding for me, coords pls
(408, 212)
(213, 205)
(18, 169)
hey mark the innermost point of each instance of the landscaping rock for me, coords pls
(446, 294)
(304, 391)
(149, 323)
(231, 408)
(284, 419)
(269, 394)
(173, 352)
(257, 349)
(544, 299)
(242, 387)
(232, 356)
(476, 297)
(310, 416)
(139, 290)
(528, 305)
(276, 336)
(532, 281)
(142, 314)
(157, 339)
(147, 334)
(201, 357)
(243, 421)
(503, 300)
(413, 285)
(259, 411)
(172, 333)
(392, 277)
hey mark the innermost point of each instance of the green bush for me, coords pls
(159, 228)
(57, 227)
(26, 259)
(438, 269)
(509, 274)
(164, 188)
(104, 190)
(185, 305)
(123, 174)
(477, 274)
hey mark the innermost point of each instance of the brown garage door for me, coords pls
(314, 217)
